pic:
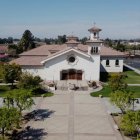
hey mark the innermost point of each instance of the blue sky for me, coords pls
(49, 18)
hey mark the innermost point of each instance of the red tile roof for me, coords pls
(107, 51)
(29, 60)
(35, 56)
(43, 50)
(72, 42)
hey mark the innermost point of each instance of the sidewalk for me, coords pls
(7, 84)
(132, 68)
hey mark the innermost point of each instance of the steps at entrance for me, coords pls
(72, 84)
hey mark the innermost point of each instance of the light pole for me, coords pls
(133, 102)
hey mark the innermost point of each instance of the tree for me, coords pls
(12, 72)
(21, 97)
(83, 40)
(1, 70)
(10, 40)
(61, 39)
(26, 41)
(108, 42)
(28, 81)
(13, 50)
(121, 47)
(122, 99)
(130, 123)
(116, 81)
(9, 118)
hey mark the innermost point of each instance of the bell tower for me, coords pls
(94, 43)
(94, 46)
(94, 32)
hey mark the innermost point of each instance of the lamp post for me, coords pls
(133, 102)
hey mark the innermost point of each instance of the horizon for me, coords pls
(50, 18)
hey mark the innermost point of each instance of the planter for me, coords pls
(52, 88)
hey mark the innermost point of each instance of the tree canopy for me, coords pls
(122, 99)
(28, 81)
(13, 50)
(1, 70)
(116, 81)
(11, 72)
(26, 42)
(6, 40)
(9, 118)
(21, 97)
(130, 122)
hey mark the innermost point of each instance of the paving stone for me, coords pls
(57, 137)
(94, 138)
(89, 109)
(86, 99)
(92, 124)
(58, 109)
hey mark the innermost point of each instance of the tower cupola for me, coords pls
(72, 41)
(94, 32)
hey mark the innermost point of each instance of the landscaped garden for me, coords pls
(105, 92)
(17, 97)
(132, 77)
(123, 96)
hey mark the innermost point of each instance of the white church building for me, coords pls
(72, 60)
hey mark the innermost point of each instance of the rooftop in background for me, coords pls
(71, 37)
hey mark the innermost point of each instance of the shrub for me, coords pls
(116, 81)
(94, 84)
(48, 94)
(28, 81)
(122, 99)
(130, 123)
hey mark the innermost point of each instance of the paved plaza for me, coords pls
(70, 115)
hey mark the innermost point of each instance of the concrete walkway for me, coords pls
(113, 109)
(132, 68)
(71, 115)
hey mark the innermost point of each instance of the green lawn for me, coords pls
(135, 90)
(105, 92)
(132, 77)
(37, 93)
(3, 90)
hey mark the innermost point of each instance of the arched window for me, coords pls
(107, 62)
(117, 62)
(92, 50)
(96, 49)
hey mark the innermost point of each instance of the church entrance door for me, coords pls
(71, 74)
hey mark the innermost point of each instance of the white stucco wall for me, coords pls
(52, 68)
(112, 67)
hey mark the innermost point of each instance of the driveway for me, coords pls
(71, 115)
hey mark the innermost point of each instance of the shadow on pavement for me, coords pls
(39, 114)
(30, 134)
